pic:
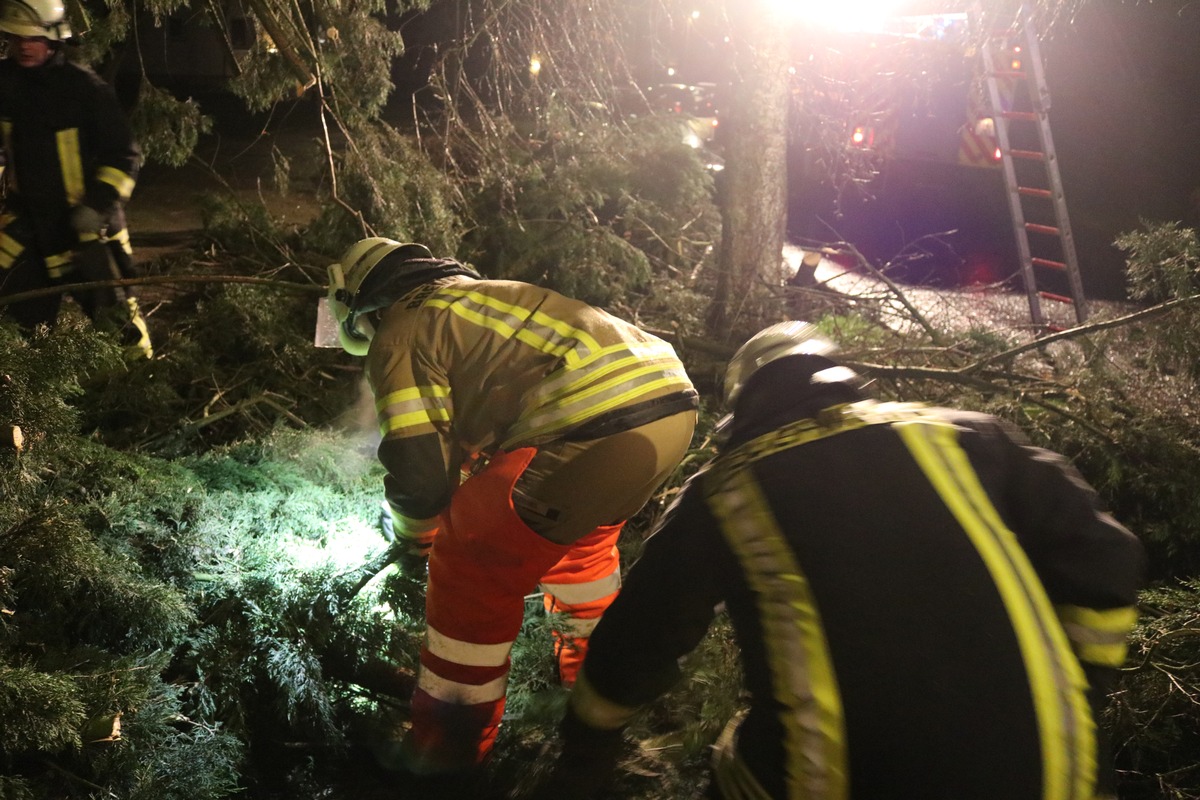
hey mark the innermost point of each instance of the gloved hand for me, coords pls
(411, 540)
(586, 764)
(386, 526)
(410, 588)
(87, 221)
(418, 533)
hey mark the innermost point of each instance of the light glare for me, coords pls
(849, 15)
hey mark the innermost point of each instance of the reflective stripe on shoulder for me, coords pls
(803, 680)
(830, 422)
(1057, 684)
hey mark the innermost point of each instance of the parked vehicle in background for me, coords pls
(696, 106)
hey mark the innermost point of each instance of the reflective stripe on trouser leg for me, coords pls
(582, 585)
(483, 563)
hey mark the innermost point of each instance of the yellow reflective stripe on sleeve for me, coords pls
(10, 249)
(121, 181)
(804, 683)
(59, 264)
(1099, 636)
(1110, 620)
(121, 237)
(468, 654)
(9, 174)
(71, 164)
(414, 407)
(1057, 684)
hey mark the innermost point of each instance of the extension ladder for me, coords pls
(1045, 245)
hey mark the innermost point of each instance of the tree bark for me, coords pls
(754, 190)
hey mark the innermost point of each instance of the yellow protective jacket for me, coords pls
(462, 366)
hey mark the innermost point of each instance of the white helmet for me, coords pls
(357, 288)
(33, 18)
(791, 338)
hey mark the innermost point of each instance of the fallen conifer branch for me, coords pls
(156, 280)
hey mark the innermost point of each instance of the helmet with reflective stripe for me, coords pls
(33, 18)
(374, 273)
(793, 338)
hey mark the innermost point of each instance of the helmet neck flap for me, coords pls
(373, 275)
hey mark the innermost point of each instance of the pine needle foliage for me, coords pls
(597, 215)
(388, 186)
(1154, 717)
(1164, 265)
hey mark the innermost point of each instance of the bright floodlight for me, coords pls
(846, 15)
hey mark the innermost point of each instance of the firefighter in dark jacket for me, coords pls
(925, 604)
(567, 420)
(71, 163)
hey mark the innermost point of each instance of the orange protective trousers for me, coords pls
(484, 562)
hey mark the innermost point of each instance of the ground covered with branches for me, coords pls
(195, 602)
(194, 598)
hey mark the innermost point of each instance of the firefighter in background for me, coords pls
(71, 165)
(926, 605)
(569, 419)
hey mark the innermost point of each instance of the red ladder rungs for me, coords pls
(1045, 262)
(1059, 298)
(1031, 192)
(1049, 230)
(1023, 116)
(1031, 155)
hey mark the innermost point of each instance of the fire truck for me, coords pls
(927, 136)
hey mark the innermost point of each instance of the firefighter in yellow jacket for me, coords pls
(926, 605)
(70, 164)
(567, 420)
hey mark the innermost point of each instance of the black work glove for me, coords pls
(587, 763)
(385, 524)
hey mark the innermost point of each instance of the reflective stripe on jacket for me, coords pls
(65, 135)
(913, 590)
(463, 366)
